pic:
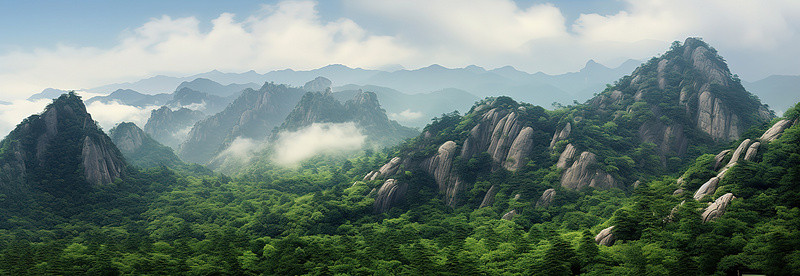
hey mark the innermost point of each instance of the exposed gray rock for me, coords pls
(566, 157)
(440, 167)
(519, 150)
(775, 131)
(318, 84)
(390, 168)
(660, 72)
(546, 199)
(678, 191)
(370, 176)
(707, 188)
(488, 199)
(716, 119)
(128, 138)
(742, 149)
(584, 173)
(171, 127)
(605, 237)
(720, 157)
(100, 164)
(561, 135)
(717, 209)
(390, 193)
(751, 152)
(510, 215)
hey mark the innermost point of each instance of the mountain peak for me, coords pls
(317, 84)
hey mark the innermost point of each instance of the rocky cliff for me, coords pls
(61, 145)
(253, 115)
(171, 127)
(584, 172)
(140, 149)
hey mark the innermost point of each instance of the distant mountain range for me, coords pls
(779, 92)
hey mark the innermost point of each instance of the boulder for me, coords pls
(707, 188)
(440, 167)
(390, 168)
(510, 215)
(566, 156)
(677, 192)
(390, 193)
(717, 209)
(738, 153)
(751, 152)
(546, 199)
(605, 237)
(584, 173)
(775, 131)
(561, 135)
(720, 157)
(488, 199)
(519, 150)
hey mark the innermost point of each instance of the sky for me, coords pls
(84, 44)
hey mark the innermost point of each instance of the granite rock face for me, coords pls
(742, 149)
(519, 150)
(317, 84)
(562, 134)
(775, 131)
(752, 151)
(440, 167)
(605, 237)
(566, 157)
(81, 146)
(495, 133)
(546, 199)
(719, 158)
(488, 199)
(128, 137)
(717, 209)
(707, 188)
(584, 173)
(391, 193)
(510, 215)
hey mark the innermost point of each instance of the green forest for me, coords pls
(321, 216)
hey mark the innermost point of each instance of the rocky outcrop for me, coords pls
(742, 149)
(440, 167)
(670, 138)
(584, 173)
(775, 131)
(716, 119)
(386, 170)
(566, 157)
(318, 84)
(495, 134)
(171, 127)
(128, 137)
(752, 151)
(717, 209)
(719, 158)
(101, 163)
(510, 215)
(252, 115)
(546, 199)
(140, 149)
(561, 135)
(488, 199)
(519, 150)
(605, 237)
(62, 141)
(391, 193)
(707, 188)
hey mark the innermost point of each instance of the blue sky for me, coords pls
(82, 44)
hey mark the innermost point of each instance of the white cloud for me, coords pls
(12, 114)
(240, 151)
(328, 138)
(755, 36)
(110, 114)
(406, 116)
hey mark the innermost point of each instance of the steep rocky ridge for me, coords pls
(253, 115)
(139, 148)
(171, 127)
(61, 146)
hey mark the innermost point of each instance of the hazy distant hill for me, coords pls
(131, 97)
(48, 93)
(779, 92)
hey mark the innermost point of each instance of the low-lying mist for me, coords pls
(320, 138)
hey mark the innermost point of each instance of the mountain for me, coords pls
(141, 150)
(253, 115)
(214, 88)
(415, 110)
(779, 92)
(133, 98)
(363, 109)
(647, 124)
(171, 127)
(49, 93)
(196, 100)
(60, 151)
